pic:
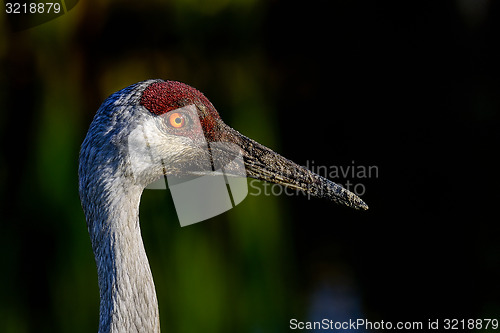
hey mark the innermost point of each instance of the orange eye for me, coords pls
(176, 120)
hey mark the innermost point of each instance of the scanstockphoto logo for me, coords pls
(352, 177)
(215, 183)
(22, 15)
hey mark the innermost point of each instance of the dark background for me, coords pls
(411, 87)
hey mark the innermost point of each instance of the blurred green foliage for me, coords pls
(224, 275)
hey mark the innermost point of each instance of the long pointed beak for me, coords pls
(264, 164)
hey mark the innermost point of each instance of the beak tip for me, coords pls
(352, 200)
(362, 205)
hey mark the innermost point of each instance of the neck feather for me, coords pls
(128, 298)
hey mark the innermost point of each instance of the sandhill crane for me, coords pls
(110, 192)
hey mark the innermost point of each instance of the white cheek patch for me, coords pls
(140, 153)
(212, 186)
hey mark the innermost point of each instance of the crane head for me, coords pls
(168, 124)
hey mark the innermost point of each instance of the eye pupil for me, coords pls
(178, 120)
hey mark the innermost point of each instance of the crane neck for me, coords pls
(128, 300)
